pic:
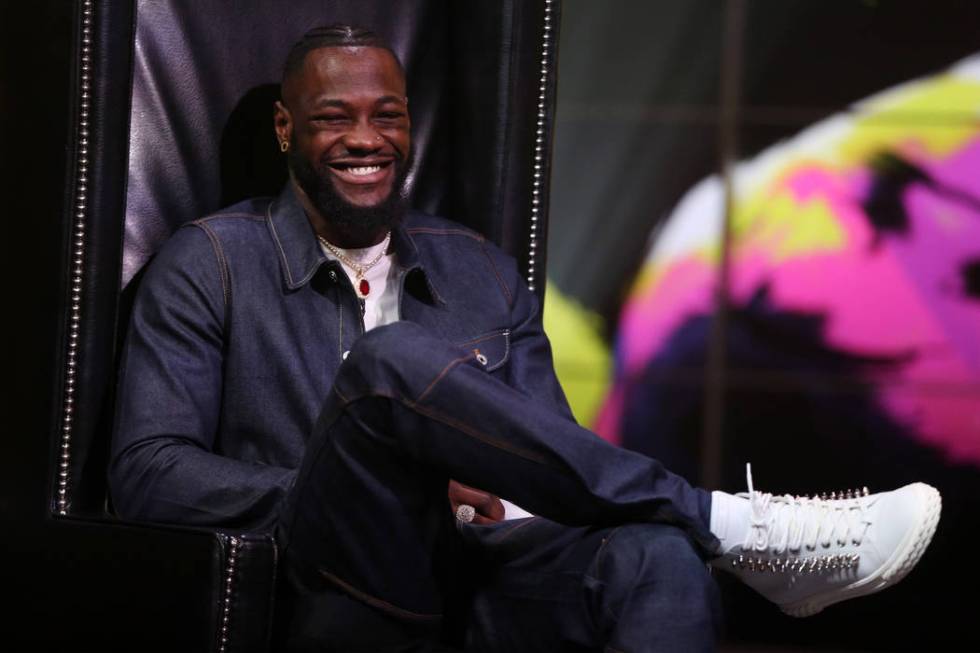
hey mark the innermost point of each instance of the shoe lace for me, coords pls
(786, 522)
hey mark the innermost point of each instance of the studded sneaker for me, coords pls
(807, 553)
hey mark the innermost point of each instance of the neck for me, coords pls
(335, 235)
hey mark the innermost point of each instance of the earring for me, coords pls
(283, 146)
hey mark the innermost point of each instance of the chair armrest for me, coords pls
(109, 585)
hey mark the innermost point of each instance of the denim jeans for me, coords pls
(374, 560)
(544, 586)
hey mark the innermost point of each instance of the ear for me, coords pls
(282, 122)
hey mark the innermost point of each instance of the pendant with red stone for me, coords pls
(363, 287)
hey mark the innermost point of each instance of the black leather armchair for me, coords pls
(169, 117)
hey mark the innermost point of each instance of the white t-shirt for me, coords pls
(381, 302)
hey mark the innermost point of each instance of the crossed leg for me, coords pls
(366, 531)
(548, 587)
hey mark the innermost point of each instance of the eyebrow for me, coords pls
(323, 103)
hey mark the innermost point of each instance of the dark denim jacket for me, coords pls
(238, 329)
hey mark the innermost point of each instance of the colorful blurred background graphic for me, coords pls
(867, 230)
(765, 247)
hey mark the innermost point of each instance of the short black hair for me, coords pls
(338, 35)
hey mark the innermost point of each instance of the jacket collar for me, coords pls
(300, 254)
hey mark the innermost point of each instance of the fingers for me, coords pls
(489, 509)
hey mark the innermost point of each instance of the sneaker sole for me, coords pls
(905, 557)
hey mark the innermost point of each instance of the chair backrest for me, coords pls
(173, 120)
(117, 118)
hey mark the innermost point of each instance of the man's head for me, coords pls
(344, 116)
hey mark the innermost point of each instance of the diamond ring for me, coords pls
(465, 513)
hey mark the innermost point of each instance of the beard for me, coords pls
(360, 223)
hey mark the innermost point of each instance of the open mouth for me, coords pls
(361, 173)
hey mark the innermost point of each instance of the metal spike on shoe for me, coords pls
(872, 541)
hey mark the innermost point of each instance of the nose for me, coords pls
(362, 137)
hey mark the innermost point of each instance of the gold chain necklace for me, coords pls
(362, 286)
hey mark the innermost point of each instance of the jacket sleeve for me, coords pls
(163, 462)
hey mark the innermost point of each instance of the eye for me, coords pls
(329, 118)
(389, 116)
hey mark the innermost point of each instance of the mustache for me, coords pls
(325, 160)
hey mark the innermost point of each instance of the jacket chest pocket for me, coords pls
(491, 349)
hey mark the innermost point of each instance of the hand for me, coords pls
(489, 509)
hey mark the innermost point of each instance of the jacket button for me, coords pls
(333, 276)
(345, 354)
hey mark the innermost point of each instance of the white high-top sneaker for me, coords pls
(807, 553)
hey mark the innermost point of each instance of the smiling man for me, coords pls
(344, 124)
(321, 364)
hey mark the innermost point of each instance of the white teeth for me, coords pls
(363, 170)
